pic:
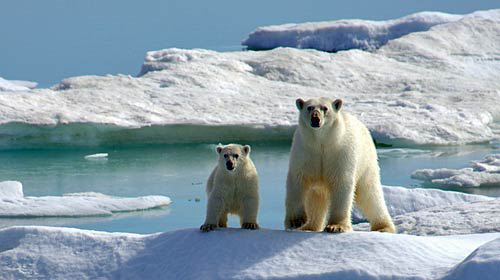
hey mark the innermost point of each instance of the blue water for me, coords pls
(46, 41)
(180, 172)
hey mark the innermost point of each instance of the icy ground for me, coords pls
(13, 203)
(343, 34)
(482, 172)
(438, 86)
(59, 253)
(13, 85)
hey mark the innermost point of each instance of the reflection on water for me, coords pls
(180, 172)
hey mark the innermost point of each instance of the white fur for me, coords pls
(330, 167)
(232, 191)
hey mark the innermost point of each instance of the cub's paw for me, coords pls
(251, 226)
(338, 228)
(207, 227)
(295, 223)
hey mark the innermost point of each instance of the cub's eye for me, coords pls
(324, 108)
(310, 108)
(225, 156)
(236, 156)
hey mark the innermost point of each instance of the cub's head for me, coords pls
(232, 156)
(318, 112)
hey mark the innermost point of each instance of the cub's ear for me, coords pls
(299, 103)
(219, 148)
(247, 149)
(337, 104)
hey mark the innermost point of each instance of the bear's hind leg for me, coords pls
(316, 207)
(370, 200)
(294, 203)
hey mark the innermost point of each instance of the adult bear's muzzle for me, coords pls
(315, 119)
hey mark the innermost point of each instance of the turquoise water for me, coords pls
(180, 172)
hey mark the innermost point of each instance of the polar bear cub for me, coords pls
(232, 188)
(333, 163)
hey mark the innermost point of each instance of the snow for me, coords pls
(61, 253)
(438, 86)
(483, 172)
(14, 204)
(99, 156)
(14, 85)
(343, 34)
(400, 200)
(465, 218)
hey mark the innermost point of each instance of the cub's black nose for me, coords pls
(229, 165)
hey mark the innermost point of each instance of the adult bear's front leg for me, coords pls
(341, 199)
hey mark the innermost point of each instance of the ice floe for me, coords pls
(13, 203)
(482, 172)
(61, 253)
(343, 34)
(438, 86)
(100, 156)
(15, 85)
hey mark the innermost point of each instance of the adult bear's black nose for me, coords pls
(229, 165)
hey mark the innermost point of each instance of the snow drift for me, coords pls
(340, 35)
(438, 86)
(482, 172)
(14, 85)
(52, 253)
(13, 203)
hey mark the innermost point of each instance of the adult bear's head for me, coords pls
(318, 112)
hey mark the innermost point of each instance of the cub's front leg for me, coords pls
(215, 207)
(249, 213)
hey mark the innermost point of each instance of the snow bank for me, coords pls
(465, 218)
(13, 85)
(434, 87)
(343, 34)
(52, 253)
(401, 200)
(14, 204)
(483, 172)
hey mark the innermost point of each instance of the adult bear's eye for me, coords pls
(324, 108)
(309, 108)
(225, 156)
(236, 156)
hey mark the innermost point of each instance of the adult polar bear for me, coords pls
(333, 162)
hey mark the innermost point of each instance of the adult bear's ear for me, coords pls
(337, 104)
(219, 148)
(247, 149)
(299, 103)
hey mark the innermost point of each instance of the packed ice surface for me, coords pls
(99, 156)
(14, 204)
(14, 85)
(482, 172)
(61, 253)
(400, 200)
(343, 34)
(438, 86)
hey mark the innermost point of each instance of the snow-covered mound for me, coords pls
(14, 85)
(401, 200)
(483, 172)
(483, 263)
(465, 218)
(439, 86)
(343, 34)
(58, 253)
(14, 204)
